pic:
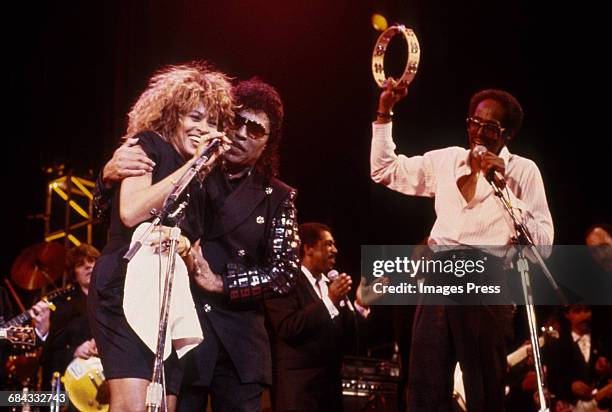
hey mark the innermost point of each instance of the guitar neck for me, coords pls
(19, 320)
(25, 316)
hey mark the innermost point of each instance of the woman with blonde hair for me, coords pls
(182, 108)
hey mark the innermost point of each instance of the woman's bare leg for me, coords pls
(129, 395)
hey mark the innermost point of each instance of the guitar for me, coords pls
(86, 386)
(26, 317)
(19, 335)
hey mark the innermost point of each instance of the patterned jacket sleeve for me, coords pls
(103, 199)
(282, 261)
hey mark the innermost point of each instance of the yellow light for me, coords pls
(72, 203)
(74, 240)
(60, 192)
(78, 184)
(79, 209)
(379, 22)
(55, 236)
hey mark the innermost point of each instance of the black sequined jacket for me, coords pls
(250, 238)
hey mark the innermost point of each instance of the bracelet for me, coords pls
(188, 252)
(385, 115)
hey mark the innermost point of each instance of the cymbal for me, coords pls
(38, 265)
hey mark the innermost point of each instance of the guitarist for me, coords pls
(70, 336)
(579, 367)
(40, 316)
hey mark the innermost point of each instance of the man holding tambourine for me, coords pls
(467, 216)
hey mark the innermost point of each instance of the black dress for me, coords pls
(123, 353)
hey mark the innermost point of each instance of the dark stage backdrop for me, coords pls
(75, 67)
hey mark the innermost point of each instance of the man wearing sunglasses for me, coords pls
(469, 217)
(250, 249)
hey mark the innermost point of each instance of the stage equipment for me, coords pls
(39, 265)
(370, 384)
(69, 210)
(527, 249)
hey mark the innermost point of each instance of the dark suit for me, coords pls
(234, 360)
(69, 329)
(307, 350)
(566, 365)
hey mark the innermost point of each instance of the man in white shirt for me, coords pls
(308, 326)
(468, 216)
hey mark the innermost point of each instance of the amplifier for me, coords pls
(354, 367)
(370, 384)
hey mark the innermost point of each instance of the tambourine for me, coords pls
(378, 55)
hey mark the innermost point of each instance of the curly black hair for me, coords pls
(310, 233)
(513, 112)
(254, 94)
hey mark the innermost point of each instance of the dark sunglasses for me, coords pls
(254, 129)
(489, 129)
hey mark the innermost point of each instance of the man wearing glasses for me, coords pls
(468, 216)
(250, 249)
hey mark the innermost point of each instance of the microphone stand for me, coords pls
(524, 238)
(170, 209)
(155, 389)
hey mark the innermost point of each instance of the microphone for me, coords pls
(333, 275)
(492, 175)
(210, 149)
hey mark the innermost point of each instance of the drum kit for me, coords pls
(41, 267)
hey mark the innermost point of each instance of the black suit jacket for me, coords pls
(69, 329)
(566, 364)
(236, 232)
(307, 350)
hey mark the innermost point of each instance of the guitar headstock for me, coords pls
(58, 293)
(19, 335)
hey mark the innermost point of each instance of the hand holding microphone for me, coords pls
(205, 143)
(339, 287)
(493, 167)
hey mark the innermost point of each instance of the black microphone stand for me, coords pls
(524, 238)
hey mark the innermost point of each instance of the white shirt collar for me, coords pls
(576, 337)
(311, 277)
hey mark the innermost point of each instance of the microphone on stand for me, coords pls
(333, 275)
(493, 176)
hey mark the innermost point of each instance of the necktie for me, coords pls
(583, 344)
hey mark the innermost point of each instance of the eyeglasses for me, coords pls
(490, 130)
(254, 129)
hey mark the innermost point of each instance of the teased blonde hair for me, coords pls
(174, 91)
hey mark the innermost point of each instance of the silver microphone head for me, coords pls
(479, 151)
(333, 275)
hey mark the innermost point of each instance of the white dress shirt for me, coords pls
(584, 343)
(483, 220)
(320, 286)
